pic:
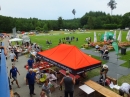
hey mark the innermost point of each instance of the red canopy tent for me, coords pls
(69, 57)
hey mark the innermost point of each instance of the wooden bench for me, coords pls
(112, 80)
(102, 90)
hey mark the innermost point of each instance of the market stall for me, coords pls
(69, 57)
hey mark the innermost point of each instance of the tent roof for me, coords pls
(70, 56)
(15, 39)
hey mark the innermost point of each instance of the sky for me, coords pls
(52, 9)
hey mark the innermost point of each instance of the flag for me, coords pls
(95, 37)
(115, 46)
(0, 7)
(114, 37)
(119, 37)
(14, 32)
(105, 36)
(128, 36)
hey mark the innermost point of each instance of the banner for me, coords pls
(115, 45)
(14, 32)
(128, 36)
(95, 37)
(119, 37)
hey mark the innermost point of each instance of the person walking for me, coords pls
(46, 88)
(30, 80)
(16, 53)
(30, 63)
(69, 85)
(12, 56)
(13, 72)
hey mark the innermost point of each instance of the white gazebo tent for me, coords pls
(15, 39)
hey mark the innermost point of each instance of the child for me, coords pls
(43, 94)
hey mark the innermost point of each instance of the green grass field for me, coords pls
(127, 59)
(41, 40)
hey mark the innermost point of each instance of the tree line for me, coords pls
(91, 20)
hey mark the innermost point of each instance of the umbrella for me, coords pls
(95, 38)
(105, 36)
(15, 39)
(128, 36)
(119, 37)
(114, 37)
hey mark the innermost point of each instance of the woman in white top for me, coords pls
(12, 56)
(125, 88)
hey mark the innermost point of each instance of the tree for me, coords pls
(60, 22)
(112, 5)
(91, 22)
(126, 20)
(74, 11)
(45, 28)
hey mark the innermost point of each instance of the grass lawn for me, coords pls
(127, 59)
(124, 79)
(94, 72)
(41, 40)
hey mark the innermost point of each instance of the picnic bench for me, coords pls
(100, 89)
(112, 80)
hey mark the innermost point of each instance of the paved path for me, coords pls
(115, 70)
(113, 64)
(24, 90)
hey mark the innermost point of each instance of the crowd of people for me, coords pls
(31, 76)
(68, 39)
(69, 82)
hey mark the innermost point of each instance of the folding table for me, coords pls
(86, 89)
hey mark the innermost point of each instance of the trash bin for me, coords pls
(123, 51)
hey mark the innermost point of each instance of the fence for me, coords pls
(4, 82)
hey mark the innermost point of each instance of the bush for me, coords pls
(110, 26)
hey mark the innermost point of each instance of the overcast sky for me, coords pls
(52, 9)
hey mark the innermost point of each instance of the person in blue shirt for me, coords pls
(30, 63)
(30, 80)
(13, 72)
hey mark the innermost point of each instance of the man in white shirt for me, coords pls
(125, 88)
(12, 56)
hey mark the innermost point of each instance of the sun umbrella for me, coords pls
(119, 37)
(105, 36)
(95, 37)
(114, 37)
(128, 36)
(15, 39)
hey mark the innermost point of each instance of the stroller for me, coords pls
(101, 80)
(105, 55)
